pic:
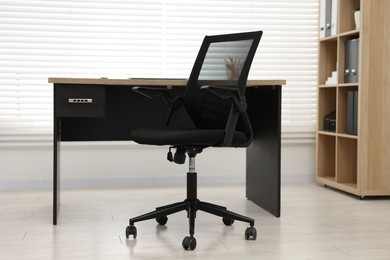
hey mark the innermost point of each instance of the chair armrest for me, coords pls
(239, 107)
(174, 107)
(173, 103)
(153, 93)
(228, 92)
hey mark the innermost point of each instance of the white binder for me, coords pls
(322, 18)
(335, 7)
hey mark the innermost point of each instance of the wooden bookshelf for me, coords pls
(357, 164)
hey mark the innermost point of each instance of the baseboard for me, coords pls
(138, 182)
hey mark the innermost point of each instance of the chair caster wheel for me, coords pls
(227, 221)
(162, 220)
(189, 243)
(250, 233)
(131, 230)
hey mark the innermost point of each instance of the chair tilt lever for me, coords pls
(180, 155)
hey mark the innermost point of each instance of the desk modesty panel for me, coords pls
(103, 109)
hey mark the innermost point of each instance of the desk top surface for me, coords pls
(153, 81)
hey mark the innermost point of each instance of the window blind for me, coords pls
(145, 38)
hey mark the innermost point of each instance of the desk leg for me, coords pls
(56, 168)
(263, 155)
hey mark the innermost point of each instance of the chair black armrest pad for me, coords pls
(152, 93)
(226, 93)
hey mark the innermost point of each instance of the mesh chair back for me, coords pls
(223, 60)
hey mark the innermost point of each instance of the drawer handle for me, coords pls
(80, 100)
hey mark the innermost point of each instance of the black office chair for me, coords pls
(214, 100)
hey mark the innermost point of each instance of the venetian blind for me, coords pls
(145, 38)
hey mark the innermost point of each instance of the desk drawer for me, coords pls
(79, 100)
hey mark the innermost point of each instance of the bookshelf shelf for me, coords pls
(346, 85)
(332, 38)
(349, 33)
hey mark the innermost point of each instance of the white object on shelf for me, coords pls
(332, 79)
(357, 19)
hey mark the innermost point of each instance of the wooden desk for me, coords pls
(106, 110)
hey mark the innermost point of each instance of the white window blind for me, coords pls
(145, 38)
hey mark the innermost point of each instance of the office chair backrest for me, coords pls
(226, 58)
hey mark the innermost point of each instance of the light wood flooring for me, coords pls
(316, 223)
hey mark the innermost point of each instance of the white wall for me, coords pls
(113, 164)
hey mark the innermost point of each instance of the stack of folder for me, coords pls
(352, 112)
(328, 18)
(351, 61)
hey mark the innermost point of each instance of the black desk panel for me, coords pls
(263, 155)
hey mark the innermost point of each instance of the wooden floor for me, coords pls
(316, 223)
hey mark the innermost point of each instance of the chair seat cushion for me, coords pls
(169, 135)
